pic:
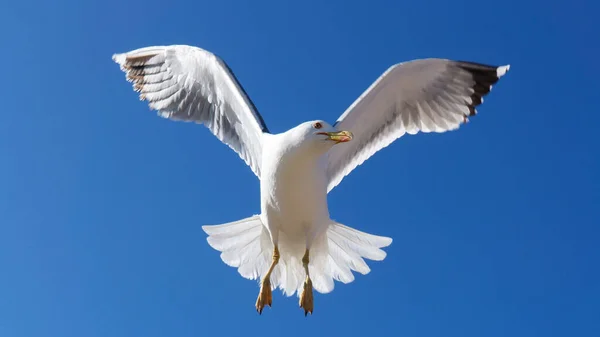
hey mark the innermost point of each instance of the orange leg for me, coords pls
(306, 298)
(265, 296)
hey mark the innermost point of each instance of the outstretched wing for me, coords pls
(191, 84)
(429, 95)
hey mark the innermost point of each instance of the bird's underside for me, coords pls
(191, 84)
(294, 212)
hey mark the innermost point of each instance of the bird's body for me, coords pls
(294, 202)
(291, 173)
(293, 243)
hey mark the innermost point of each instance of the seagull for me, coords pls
(293, 244)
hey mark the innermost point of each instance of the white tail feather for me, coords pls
(246, 244)
(348, 247)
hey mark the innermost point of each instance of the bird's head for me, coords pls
(315, 137)
(322, 134)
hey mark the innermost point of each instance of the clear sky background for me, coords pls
(495, 226)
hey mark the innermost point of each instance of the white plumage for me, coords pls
(298, 168)
(429, 95)
(190, 84)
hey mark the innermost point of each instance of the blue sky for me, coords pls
(495, 226)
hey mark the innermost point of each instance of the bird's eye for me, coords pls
(318, 125)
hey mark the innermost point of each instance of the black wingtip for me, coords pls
(485, 76)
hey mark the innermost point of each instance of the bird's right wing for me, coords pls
(428, 95)
(191, 84)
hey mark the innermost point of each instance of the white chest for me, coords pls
(294, 190)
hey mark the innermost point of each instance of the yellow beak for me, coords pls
(338, 137)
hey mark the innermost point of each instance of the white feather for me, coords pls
(191, 84)
(243, 244)
(429, 95)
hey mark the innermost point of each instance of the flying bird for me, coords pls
(294, 244)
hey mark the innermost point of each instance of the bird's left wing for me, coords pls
(428, 95)
(191, 84)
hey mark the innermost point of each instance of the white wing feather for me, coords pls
(429, 95)
(191, 84)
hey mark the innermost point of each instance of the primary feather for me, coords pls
(429, 95)
(191, 84)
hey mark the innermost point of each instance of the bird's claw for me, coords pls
(306, 298)
(265, 296)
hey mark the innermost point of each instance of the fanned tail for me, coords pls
(246, 245)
